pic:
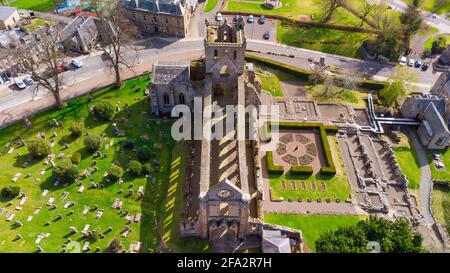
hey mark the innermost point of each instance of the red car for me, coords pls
(60, 68)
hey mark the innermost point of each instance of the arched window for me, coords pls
(235, 54)
(215, 53)
(166, 98)
(181, 98)
(224, 71)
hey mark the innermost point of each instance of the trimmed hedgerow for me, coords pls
(271, 167)
(301, 170)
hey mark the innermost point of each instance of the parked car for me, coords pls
(76, 63)
(67, 66)
(266, 35)
(411, 62)
(236, 18)
(20, 84)
(60, 68)
(250, 19)
(403, 60)
(219, 17)
(425, 66)
(417, 64)
(28, 81)
(262, 19)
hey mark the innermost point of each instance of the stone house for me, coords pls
(163, 17)
(9, 17)
(433, 131)
(442, 64)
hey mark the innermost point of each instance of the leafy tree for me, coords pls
(66, 171)
(10, 191)
(129, 145)
(392, 94)
(39, 147)
(393, 237)
(439, 45)
(115, 172)
(92, 142)
(411, 19)
(75, 158)
(104, 110)
(147, 168)
(135, 168)
(77, 129)
(144, 154)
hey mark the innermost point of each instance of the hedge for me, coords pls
(272, 168)
(301, 170)
(304, 74)
(330, 169)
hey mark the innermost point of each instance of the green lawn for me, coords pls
(326, 40)
(271, 78)
(210, 5)
(439, 174)
(409, 164)
(37, 5)
(429, 41)
(435, 6)
(336, 186)
(441, 205)
(343, 96)
(312, 226)
(162, 201)
(36, 23)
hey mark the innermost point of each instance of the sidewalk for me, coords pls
(15, 114)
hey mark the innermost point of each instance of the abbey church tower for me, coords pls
(224, 54)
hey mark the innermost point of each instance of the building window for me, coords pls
(166, 99)
(181, 98)
(215, 53)
(145, 27)
(155, 20)
(134, 16)
(235, 54)
(442, 141)
(178, 22)
(145, 18)
(167, 20)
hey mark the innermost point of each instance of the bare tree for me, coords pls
(116, 31)
(42, 60)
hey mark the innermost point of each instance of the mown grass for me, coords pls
(210, 5)
(429, 42)
(409, 164)
(36, 5)
(441, 205)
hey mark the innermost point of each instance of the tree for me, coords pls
(77, 129)
(92, 142)
(393, 237)
(411, 20)
(43, 60)
(39, 147)
(135, 168)
(144, 154)
(119, 31)
(10, 191)
(439, 45)
(147, 168)
(115, 172)
(75, 158)
(104, 110)
(66, 171)
(392, 94)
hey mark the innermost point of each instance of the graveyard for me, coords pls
(140, 206)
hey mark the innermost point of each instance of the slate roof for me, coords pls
(170, 72)
(434, 120)
(174, 7)
(275, 242)
(6, 12)
(82, 26)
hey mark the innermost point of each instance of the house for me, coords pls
(9, 17)
(433, 131)
(164, 17)
(83, 33)
(441, 89)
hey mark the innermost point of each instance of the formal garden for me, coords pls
(101, 174)
(303, 167)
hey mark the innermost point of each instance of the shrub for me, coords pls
(272, 168)
(439, 45)
(115, 172)
(66, 171)
(301, 170)
(10, 191)
(92, 142)
(77, 129)
(135, 168)
(39, 147)
(144, 154)
(104, 110)
(129, 145)
(147, 168)
(75, 158)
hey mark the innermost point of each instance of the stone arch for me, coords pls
(182, 98)
(166, 98)
(224, 71)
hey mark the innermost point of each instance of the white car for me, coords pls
(411, 62)
(77, 63)
(219, 17)
(403, 60)
(20, 84)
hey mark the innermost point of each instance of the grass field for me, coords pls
(433, 6)
(271, 78)
(429, 42)
(160, 206)
(210, 5)
(409, 164)
(441, 205)
(37, 5)
(336, 186)
(312, 226)
(344, 96)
